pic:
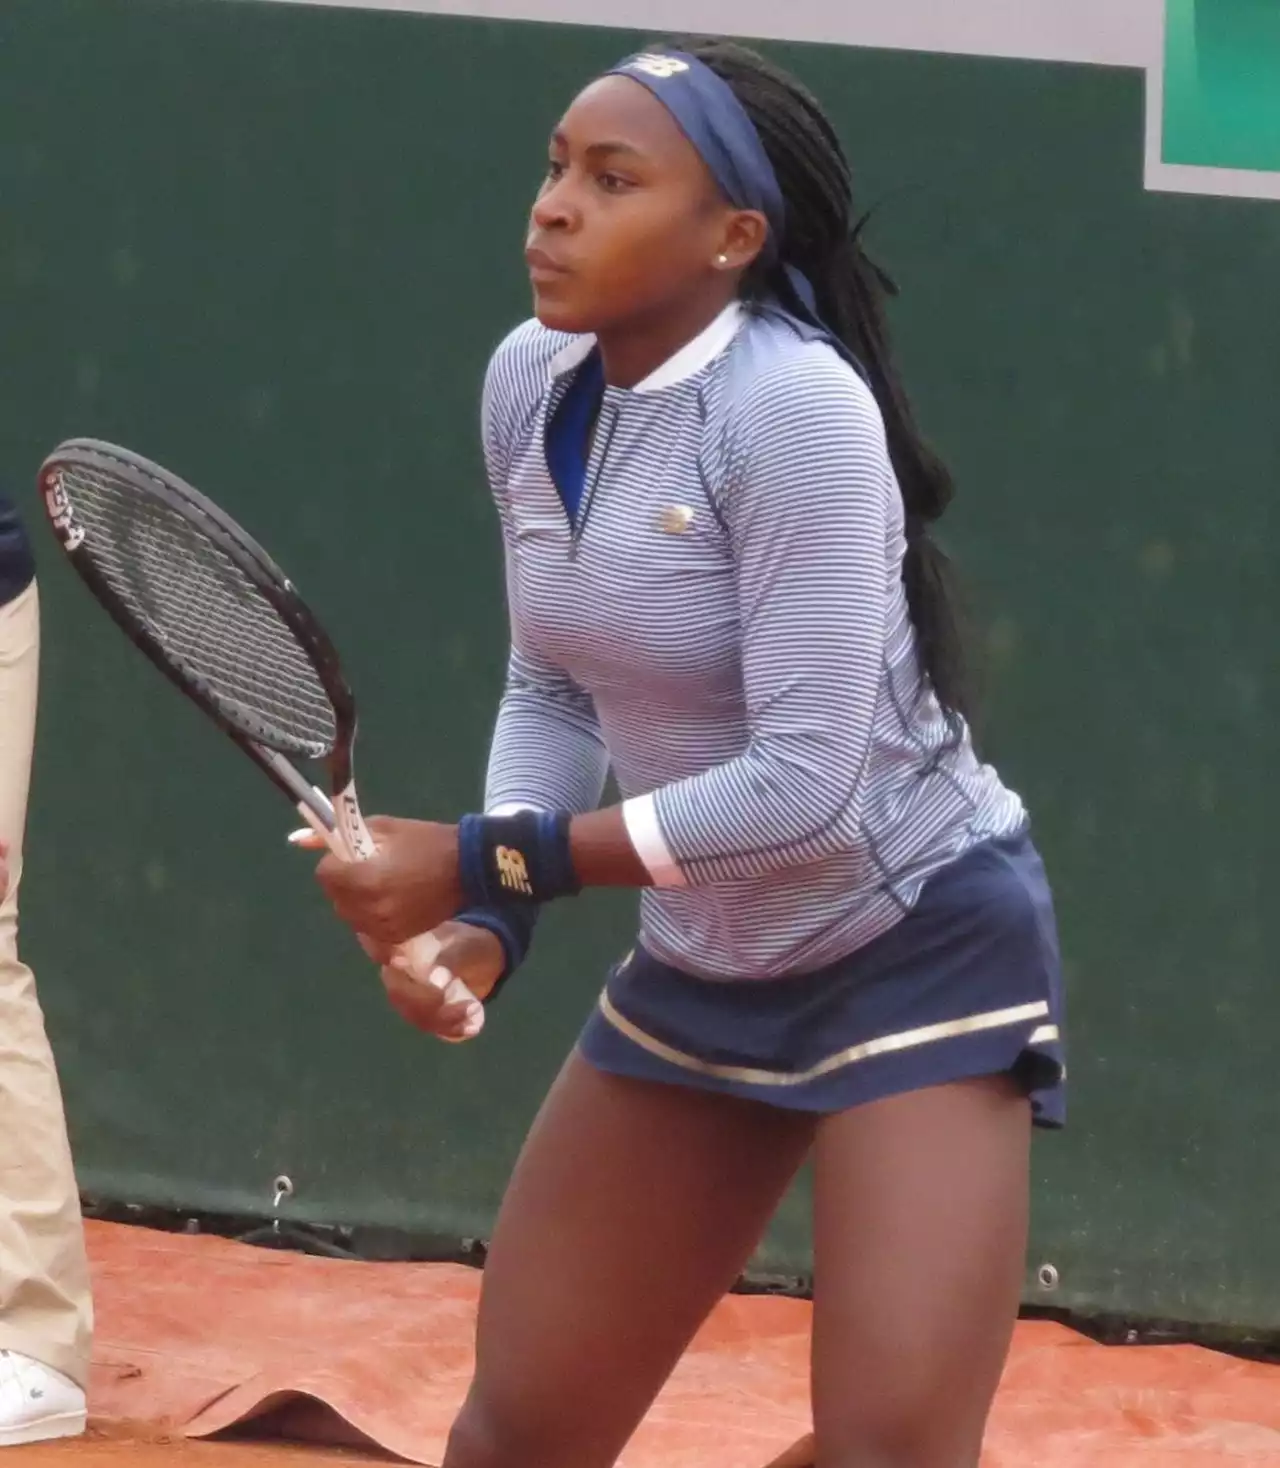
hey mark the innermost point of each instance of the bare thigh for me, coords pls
(920, 1229)
(632, 1209)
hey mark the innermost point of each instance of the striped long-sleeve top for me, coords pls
(724, 624)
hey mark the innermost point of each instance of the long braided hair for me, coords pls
(823, 240)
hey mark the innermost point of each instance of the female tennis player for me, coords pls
(715, 507)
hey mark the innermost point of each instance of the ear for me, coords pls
(745, 233)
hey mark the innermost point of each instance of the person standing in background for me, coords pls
(46, 1308)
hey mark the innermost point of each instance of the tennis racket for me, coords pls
(216, 615)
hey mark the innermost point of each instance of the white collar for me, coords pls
(690, 359)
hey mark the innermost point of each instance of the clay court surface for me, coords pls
(198, 1338)
(124, 1451)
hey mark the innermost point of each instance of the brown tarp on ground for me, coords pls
(196, 1335)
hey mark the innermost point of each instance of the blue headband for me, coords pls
(706, 109)
(709, 114)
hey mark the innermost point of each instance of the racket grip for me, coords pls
(350, 840)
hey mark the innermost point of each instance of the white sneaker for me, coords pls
(36, 1402)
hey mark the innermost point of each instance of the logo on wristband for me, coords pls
(513, 873)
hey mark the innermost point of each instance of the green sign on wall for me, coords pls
(1222, 84)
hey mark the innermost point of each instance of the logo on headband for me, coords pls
(653, 64)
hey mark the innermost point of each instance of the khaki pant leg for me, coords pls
(46, 1310)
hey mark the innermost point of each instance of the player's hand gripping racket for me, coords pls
(218, 617)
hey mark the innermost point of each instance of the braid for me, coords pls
(824, 241)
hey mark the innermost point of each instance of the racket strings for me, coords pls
(206, 615)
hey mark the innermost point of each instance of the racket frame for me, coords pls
(336, 819)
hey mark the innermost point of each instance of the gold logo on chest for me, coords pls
(675, 519)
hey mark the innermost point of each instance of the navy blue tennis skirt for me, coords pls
(967, 984)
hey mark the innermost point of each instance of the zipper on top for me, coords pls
(599, 455)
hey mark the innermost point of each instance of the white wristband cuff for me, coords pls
(641, 818)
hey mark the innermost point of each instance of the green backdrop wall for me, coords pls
(271, 247)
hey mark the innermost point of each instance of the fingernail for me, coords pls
(474, 1021)
(296, 838)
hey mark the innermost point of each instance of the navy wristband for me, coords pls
(516, 860)
(512, 924)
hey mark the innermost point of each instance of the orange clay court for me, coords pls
(219, 1355)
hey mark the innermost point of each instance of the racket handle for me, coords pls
(349, 821)
(350, 840)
